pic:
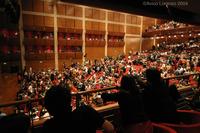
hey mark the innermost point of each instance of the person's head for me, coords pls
(57, 100)
(128, 83)
(153, 75)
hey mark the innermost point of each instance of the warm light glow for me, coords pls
(182, 35)
(4, 63)
(169, 36)
(198, 34)
(175, 36)
(190, 34)
(162, 36)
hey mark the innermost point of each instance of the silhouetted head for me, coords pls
(57, 100)
(153, 75)
(128, 83)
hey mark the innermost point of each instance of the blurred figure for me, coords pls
(158, 103)
(15, 123)
(84, 119)
(133, 118)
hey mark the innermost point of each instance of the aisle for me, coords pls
(8, 90)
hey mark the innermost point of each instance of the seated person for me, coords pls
(133, 118)
(84, 119)
(158, 102)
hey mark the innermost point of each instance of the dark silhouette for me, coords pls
(133, 118)
(84, 119)
(15, 123)
(158, 102)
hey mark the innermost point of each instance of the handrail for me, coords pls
(96, 90)
(181, 76)
(12, 103)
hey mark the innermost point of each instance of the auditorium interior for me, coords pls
(90, 45)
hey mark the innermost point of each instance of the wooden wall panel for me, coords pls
(147, 44)
(134, 20)
(48, 21)
(133, 30)
(147, 22)
(116, 28)
(88, 25)
(132, 44)
(40, 65)
(138, 20)
(110, 16)
(116, 17)
(61, 22)
(128, 19)
(121, 28)
(28, 20)
(61, 9)
(115, 51)
(27, 5)
(96, 14)
(122, 18)
(69, 23)
(38, 6)
(102, 26)
(102, 15)
(110, 27)
(48, 7)
(88, 12)
(95, 26)
(78, 11)
(38, 20)
(95, 52)
(70, 11)
(78, 24)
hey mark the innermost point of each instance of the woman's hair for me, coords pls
(58, 100)
(128, 84)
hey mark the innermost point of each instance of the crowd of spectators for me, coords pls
(166, 26)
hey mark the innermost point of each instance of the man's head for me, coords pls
(153, 75)
(58, 100)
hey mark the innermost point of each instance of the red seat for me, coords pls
(158, 128)
(190, 122)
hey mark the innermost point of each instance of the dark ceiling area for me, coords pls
(186, 11)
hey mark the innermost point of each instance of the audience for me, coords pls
(84, 119)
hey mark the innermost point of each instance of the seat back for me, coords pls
(190, 122)
(159, 128)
